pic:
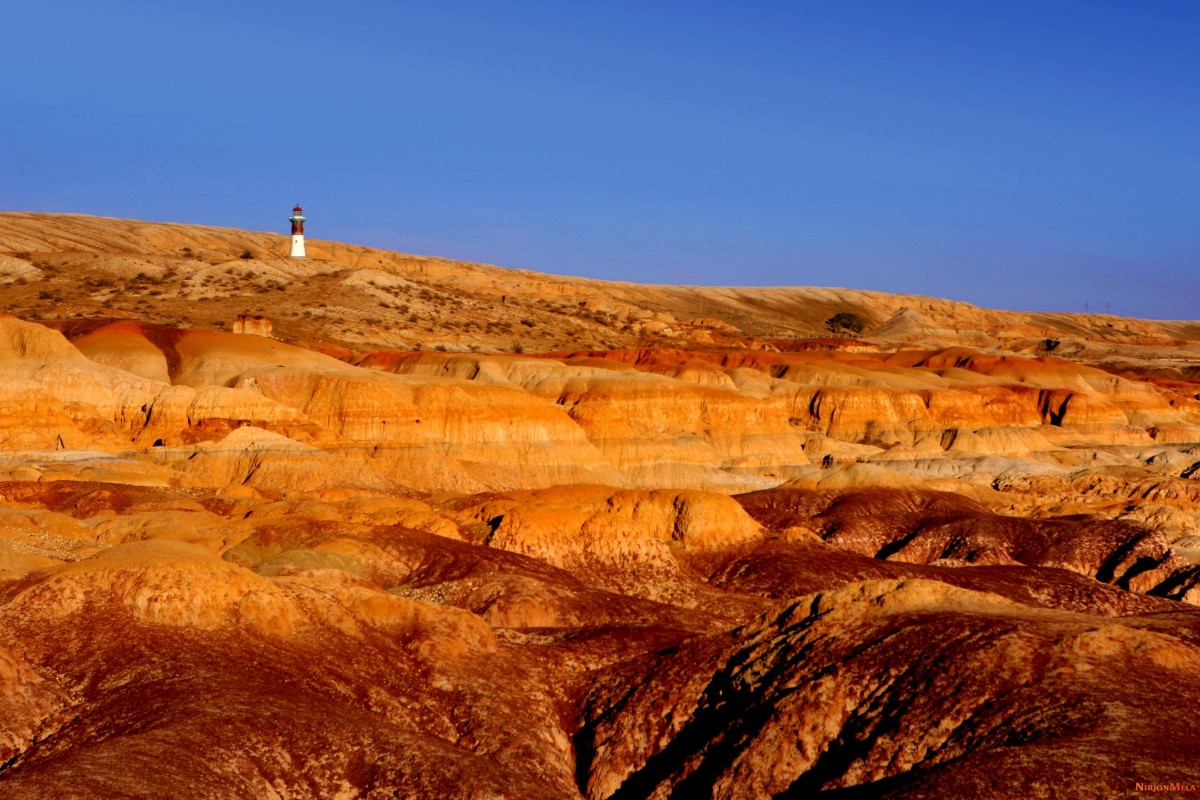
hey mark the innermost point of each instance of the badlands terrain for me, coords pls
(378, 525)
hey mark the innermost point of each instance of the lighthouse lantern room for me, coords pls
(297, 221)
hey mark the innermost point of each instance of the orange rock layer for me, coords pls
(686, 550)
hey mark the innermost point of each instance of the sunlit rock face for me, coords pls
(377, 525)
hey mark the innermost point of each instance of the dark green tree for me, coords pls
(844, 321)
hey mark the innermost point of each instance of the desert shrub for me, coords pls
(845, 321)
(246, 254)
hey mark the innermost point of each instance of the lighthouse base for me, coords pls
(297, 247)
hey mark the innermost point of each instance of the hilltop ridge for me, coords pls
(353, 296)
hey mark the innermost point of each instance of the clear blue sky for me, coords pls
(1032, 155)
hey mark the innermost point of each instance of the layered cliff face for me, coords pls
(1043, 432)
(673, 548)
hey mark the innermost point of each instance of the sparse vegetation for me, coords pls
(845, 322)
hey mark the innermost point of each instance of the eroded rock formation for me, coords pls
(670, 549)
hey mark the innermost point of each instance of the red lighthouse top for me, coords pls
(297, 220)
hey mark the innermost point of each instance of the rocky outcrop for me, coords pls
(714, 420)
(620, 540)
(256, 325)
(869, 689)
(925, 527)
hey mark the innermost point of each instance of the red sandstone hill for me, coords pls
(683, 545)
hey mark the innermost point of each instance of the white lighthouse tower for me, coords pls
(297, 221)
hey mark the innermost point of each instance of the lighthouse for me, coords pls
(297, 221)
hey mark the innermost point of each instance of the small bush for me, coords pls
(845, 321)
(246, 254)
